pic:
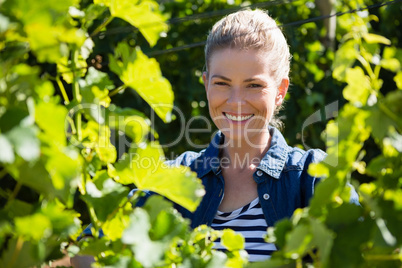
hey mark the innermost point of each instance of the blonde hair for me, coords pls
(249, 29)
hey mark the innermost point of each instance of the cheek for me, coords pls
(216, 97)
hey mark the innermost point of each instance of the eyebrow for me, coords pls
(221, 77)
(229, 80)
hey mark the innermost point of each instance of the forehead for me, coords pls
(240, 61)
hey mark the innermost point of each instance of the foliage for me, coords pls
(73, 91)
(332, 232)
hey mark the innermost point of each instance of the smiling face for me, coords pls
(242, 93)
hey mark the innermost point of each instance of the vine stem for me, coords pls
(299, 263)
(117, 90)
(100, 27)
(63, 90)
(17, 250)
(383, 257)
(15, 192)
(76, 91)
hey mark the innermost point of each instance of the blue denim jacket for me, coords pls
(282, 180)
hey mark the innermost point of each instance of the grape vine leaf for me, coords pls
(144, 15)
(232, 240)
(143, 74)
(146, 169)
(6, 152)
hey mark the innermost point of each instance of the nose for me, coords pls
(237, 96)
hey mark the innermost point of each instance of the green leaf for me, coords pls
(43, 226)
(358, 88)
(92, 12)
(323, 238)
(24, 251)
(398, 79)
(147, 252)
(6, 152)
(50, 18)
(378, 122)
(318, 170)
(63, 167)
(114, 227)
(96, 78)
(145, 168)
(143, 74)
(232, 240)
(106, 199)
(375, 38)
(97, 136)
(166, 222)
(64, 222)
(12, 118)
(51, 118)
(278, 234)
(144, 15)
(133, 123)
(25, 142)
(298, 242)
(155, 205)
(67, 70)
(392, 58)
(345, 57)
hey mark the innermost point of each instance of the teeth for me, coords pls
(238, 118)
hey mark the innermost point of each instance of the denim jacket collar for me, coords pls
(272, 163)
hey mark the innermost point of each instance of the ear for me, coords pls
(282, 90)
(205, 79)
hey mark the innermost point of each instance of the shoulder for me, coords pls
(291, 158)
(186, 159)
(201, 162)
(300, 158)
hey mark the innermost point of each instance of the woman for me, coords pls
(251, 176)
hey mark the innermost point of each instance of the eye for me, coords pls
(255, 85)
(220, 83)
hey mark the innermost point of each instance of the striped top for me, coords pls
(250, 222)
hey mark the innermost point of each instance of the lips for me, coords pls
(238, 118)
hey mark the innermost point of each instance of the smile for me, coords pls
(238, 118)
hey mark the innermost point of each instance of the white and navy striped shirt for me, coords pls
(250, 222)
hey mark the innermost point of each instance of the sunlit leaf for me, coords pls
(97, 137)
(146, 169)
(299, 241)
(51, 118)
(25, 142)
(375, 38)
(25, 252)
(232, 240)
(358, 88)
(144, 15)
(64, 222)
(143, 74)
(147, 252)
(344, 58)
(105, 200)
(6, 152)
(43, 226)
(63, 167)
(398, 79)
(115, 227)
(67, 71)
(129, 121)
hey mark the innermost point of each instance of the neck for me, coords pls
(241, 154)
